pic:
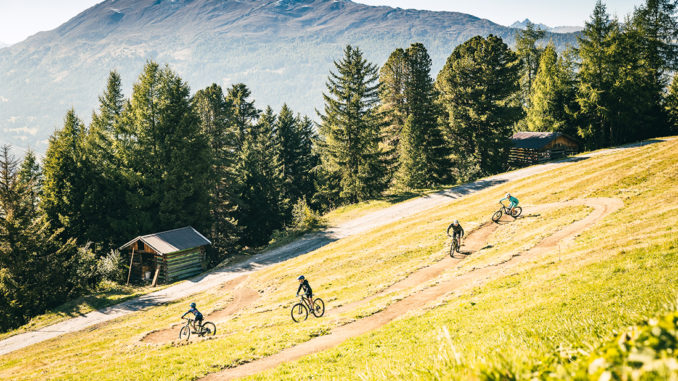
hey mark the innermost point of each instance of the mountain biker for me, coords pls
(512, 200)
(196, 314)
(308, 292)
(458, 231)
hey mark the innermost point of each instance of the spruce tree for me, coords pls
(552, 99)
(243, 113)
(263, 203)
(351, 129)
(671, 104)
(597, 76)
(166, 156)
(476, 86)
(392, 77)
(37, 269)
(423, 160)
(66, 179)
(529, 53)
(105, 204)
(30, 175)
(294, 137)
(215, 115)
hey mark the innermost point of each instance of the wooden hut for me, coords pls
(167, 256)
(536, 147)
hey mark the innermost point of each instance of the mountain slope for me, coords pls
(282, 49)
(549, 285)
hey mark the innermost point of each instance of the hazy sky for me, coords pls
(22, 18)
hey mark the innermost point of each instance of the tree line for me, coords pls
(164, 158)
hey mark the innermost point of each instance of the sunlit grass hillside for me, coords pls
(538, 319)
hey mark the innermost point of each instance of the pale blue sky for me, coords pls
(22, 18)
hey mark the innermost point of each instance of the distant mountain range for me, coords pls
(282, 49)
(2, 44)
(555, 29)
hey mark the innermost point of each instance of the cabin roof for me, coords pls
(171, 241)
(536, 140)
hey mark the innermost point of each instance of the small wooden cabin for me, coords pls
(537, 147)
(166, 256)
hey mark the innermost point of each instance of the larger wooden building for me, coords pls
(166, 256)
(536, 147)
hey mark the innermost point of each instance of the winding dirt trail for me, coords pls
(243, 297)
(477, 276)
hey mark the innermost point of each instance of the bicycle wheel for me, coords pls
(299, 312)
(185, 333)
(496, 216)
(454, 246)
(517, 211)
(208, 329)
(318, 307)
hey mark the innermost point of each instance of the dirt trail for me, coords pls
(244, 297)
(475, 241)
(602, 208)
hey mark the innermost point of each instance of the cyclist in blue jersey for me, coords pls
(197, 316)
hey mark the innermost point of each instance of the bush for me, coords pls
(304, 218)
(110, 267)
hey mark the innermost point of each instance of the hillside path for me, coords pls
(602, 207)
(298, 247)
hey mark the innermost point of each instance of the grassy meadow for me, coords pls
(537, 320)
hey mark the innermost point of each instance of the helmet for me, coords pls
(192, 305)
(301, 277)
(508, 195)
(456, 222)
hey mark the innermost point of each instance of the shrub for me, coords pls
(304, 218)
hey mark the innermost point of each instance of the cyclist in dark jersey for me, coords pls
(304, 286)
(458, 231)
(196, 314)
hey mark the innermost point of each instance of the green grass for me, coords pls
(567, 302)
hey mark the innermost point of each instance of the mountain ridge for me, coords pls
(555, 29)
(283, 50)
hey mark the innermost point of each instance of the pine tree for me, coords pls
(476, 86)
(552, 99)
(423, 159)
(529, 54)
(392, 77)
(30, 175)
(294, 137)
(671, 103)
(214, 113)
(105, 205)
(259, 168)
(597, 77)
(243, 112)
(37, 269)
(166, 157)
(351, 129)
(66, 178)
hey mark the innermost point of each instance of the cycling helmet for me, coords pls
(301, 277)
(192, 305)
(508, 195)
(456, 222)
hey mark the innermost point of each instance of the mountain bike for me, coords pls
(300, 310)
(455, 245)
(207, 328)
(505, 210)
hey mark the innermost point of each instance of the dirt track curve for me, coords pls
(602, 207)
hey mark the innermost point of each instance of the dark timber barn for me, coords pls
(536, 147)
(166, 256)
